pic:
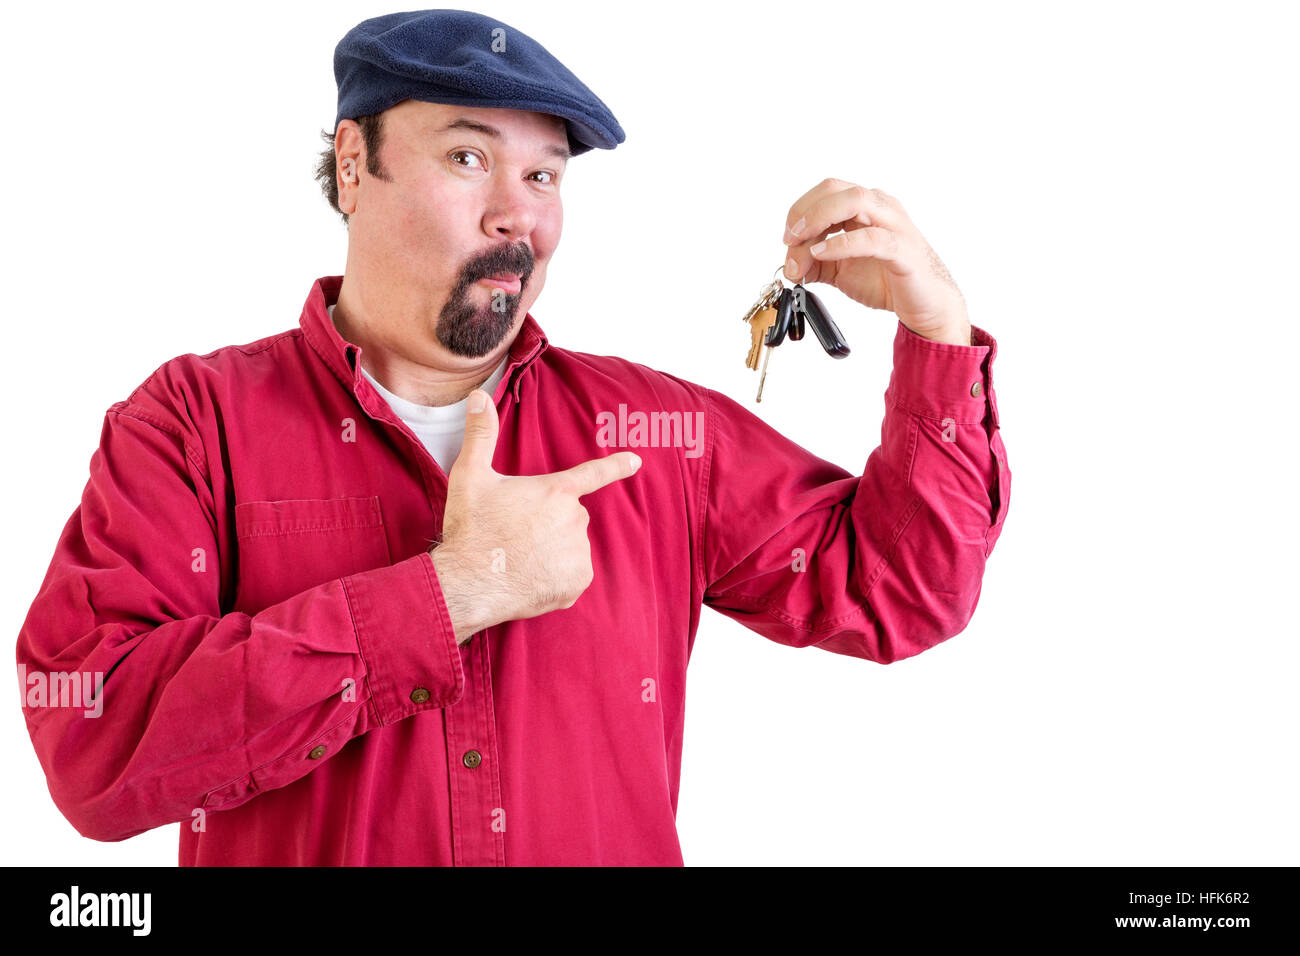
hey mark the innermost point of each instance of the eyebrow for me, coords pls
(551, 149)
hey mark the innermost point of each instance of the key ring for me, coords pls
(780, 271)
(793, 307)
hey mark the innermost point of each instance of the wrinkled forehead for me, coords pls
(429, 119)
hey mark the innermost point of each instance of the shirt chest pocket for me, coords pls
(288, 546)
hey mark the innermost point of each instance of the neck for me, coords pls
(402, 354)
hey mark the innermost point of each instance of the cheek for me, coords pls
(414, 214)
(546, 235)
(423, 233)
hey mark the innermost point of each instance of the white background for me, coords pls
(1113, 187)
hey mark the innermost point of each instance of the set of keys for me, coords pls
(781, 312)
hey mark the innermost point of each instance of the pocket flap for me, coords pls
(253, 518)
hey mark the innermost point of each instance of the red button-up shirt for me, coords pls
(248, 577)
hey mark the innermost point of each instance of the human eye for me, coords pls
(545, 172)
(472, 154)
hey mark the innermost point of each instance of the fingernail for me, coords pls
(477, 401)
(817, 249)
(798, 226)
(636, 462)
(791, 269)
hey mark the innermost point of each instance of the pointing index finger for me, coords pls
(595, 474)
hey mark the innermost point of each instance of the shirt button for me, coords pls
(419, 695)
(975, 390)
(472, 759)
(316, 753)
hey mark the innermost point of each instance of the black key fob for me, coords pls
(784, 312)
(796, 325)
(823, 326)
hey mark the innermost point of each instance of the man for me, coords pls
(371, 590)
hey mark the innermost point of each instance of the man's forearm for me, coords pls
(961, 336)
(462, 599)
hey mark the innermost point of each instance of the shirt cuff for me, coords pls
(938, 380)
(406, 639)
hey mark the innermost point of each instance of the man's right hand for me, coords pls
(514, 547)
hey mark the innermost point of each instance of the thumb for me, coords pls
(480, 433)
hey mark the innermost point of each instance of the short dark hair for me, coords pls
(372, 134)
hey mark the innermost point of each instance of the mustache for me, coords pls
(511, 257)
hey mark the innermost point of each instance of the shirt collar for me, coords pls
(341, 356)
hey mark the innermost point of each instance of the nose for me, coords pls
(511, 211)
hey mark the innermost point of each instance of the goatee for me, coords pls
(473, 329)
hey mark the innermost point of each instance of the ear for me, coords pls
(348, 144)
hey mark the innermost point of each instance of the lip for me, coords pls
(507, 283)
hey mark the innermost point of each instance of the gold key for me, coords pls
(781, 313)
(767, 354)
(759, 323)
(762, 316)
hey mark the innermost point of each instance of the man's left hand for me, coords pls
(880, 259)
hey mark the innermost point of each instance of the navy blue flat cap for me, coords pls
(454, 56)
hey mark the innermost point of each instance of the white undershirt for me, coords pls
(440, 427)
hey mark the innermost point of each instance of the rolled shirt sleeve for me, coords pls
(199, 708)
(880, 566)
